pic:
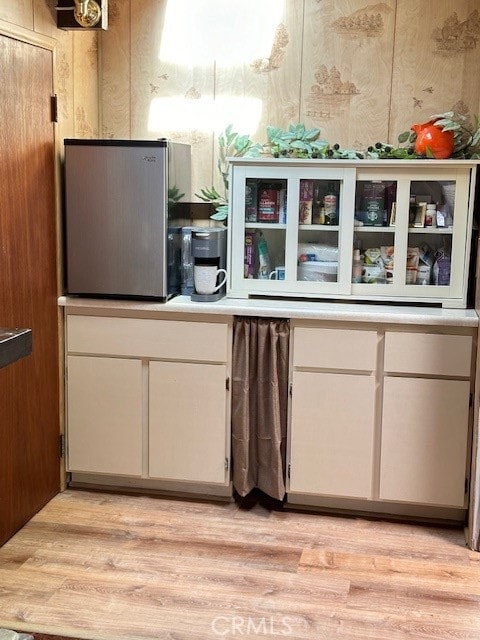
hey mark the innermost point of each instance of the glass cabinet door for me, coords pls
(430, 233)
(374, 231)
(319, 212)
(258, 219)
(410, 232)
(392, 231)
(291, 221)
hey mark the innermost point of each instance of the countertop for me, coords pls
(279, 308)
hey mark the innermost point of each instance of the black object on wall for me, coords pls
(89, 11)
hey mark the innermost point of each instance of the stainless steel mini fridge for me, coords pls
(125, 204)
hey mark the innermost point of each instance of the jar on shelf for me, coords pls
(431, 215)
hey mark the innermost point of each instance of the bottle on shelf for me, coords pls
(330, 204)
(357, 266)
(318, 214)
(412, 211)
(251, 200)
(264, 266)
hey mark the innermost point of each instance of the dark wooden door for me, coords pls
(29, 388)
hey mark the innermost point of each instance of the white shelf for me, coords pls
(318, 227)
(368, 229)
(431, 231)
(265, 225)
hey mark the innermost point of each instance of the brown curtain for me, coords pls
(259, 405)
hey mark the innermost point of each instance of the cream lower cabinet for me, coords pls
(425, 419)
(148, 399)
(380, 415)
(104, 415)
(332, 412)
(187, 418)
(332, 434)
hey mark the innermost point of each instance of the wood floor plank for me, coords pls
(457, 578)
(102, 566)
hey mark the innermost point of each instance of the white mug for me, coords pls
(277, 274)
(205, 279)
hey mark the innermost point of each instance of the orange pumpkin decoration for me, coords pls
(439, 143)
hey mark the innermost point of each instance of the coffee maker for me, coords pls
(209, 248)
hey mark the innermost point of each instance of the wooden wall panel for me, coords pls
(115, 90)
(267, 79)
(436, 60)
(18, 12)
(362, 72)
(346, 70)
(147, 76)
(75, 65)
(85, 97)
(155, 79)
(45, 18)
(64, 86)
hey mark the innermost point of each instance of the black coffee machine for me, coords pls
(209, 247)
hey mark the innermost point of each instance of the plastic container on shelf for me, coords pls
(316, 271)
(319, 251)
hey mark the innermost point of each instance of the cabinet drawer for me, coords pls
(166, 339)
(335, 348)
(428, 354)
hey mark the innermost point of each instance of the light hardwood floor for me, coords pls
(103, 566)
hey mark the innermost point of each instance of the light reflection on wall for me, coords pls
(204, 114)
(229, 32)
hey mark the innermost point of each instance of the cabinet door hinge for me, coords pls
(227, 384)
(289, 469)
(54, 107)
(470, 402)
(467, 486)
(61, 445)
(227, 464)
(290, 389)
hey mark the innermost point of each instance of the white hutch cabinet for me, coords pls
(382, 230)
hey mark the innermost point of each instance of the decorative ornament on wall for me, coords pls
(155, 88)
(329, 94)
(193, 94)
(82, 128)
(280, 42)
(455, 37)
(92, 54)
(365, 22)
(82, 14)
